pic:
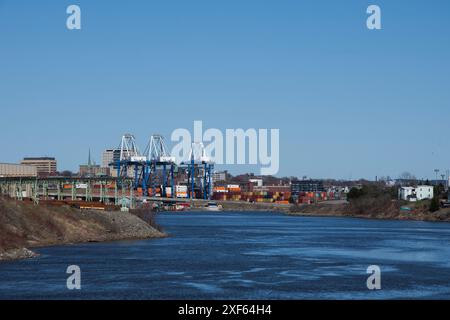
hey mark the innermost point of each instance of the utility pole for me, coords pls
(89, 164)
(447, 173)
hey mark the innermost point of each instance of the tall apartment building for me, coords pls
(110, 157)
(45, 165)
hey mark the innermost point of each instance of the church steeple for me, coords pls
(89, 158)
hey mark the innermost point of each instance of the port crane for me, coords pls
(158, 160)
(199, 168)
(145, 168)
(130, 159)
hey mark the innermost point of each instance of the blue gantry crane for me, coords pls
(199, 168)
(131, 162)
(158, 161)
(145, 168)
(156, 166)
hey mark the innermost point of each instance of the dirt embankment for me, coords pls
(23, 225)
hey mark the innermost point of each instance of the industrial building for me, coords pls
(273, 189)
(8, 170)
(418, 193)
(219, 176)
(46, 166)
(300, 186)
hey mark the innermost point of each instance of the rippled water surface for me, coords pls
(247, 256)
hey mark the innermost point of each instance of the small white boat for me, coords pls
(212, 206)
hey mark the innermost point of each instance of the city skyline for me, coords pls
(350, 103)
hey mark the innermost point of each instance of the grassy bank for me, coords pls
(24, 225)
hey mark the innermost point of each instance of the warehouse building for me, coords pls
(9, 170)
(46, 166)
(300, 186)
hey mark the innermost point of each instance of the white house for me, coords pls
(416, 193)
(257, 182)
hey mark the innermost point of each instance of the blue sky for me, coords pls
(349, 102)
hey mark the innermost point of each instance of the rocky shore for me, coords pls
(23, 226)
(15, 254)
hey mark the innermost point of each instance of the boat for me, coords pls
(177, 207)
(213, 206)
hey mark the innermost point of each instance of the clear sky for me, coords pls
(349, 102)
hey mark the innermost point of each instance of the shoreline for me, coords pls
(25, 226)
(343, 209)
(26, 252)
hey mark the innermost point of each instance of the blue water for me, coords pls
(247, 256)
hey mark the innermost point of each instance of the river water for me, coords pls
(247, 256)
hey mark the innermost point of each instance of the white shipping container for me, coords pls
(138, 159)
(180, 188)
(167, 159)
(81, 186)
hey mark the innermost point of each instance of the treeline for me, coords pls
(380, 195)
(373, 191)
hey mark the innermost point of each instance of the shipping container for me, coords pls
(180, 188)
(181, 194)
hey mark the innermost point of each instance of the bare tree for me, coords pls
(66, 173)
(407, 178)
